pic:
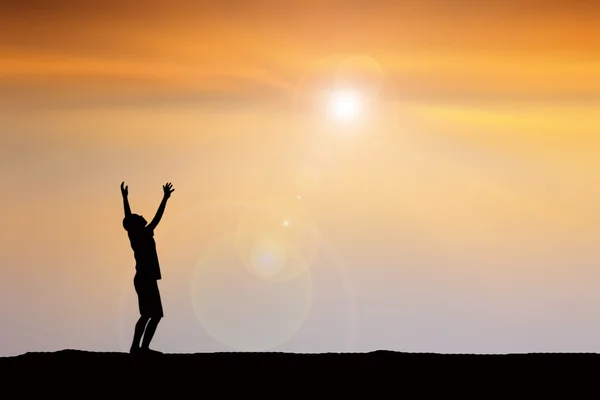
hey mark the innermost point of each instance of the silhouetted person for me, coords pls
(141, 237)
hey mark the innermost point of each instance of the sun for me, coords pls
(345, 105)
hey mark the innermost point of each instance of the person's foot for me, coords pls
(134, 350)
(150, 351)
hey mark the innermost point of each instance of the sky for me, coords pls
(455, 212)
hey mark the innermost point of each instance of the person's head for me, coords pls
(134, 222)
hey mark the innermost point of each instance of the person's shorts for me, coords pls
(149, 300)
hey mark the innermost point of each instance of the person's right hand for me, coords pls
(124, 189)
(168, 189)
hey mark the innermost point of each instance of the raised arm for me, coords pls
(167, 189)
(125, 193)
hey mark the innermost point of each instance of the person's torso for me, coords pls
(146, 257)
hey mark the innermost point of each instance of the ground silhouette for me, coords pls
(375, 359)
(400, 375)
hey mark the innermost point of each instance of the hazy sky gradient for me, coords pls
(460, 216)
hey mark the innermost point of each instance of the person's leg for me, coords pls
(149, 333)
(156, 312)
(138, 332)
(142, 294)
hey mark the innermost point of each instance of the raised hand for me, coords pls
(168, 189)
(124, 189)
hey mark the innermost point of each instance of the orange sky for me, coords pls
(466, 204)
(436, 50)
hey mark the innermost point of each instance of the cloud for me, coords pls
(432, 51)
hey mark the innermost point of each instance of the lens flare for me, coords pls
(276, 239)
(242, 311)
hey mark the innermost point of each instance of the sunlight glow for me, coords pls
(345, 105)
